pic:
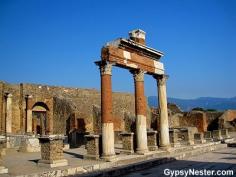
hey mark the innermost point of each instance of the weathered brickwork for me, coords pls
(228, 120)
(53, 150)
(61, 104)
(93, 146)
(195, 118)
(127, 143)
(152, 140)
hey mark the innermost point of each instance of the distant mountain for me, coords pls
(203, 102)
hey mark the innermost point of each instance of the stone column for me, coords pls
(140, 111)
(29, 105)
(108, 150)
(164, 125)
(8, 113)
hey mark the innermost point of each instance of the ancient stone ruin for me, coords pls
(50, 119)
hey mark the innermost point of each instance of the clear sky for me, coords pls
(56, 42)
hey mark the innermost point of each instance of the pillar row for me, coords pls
(163, 123)
(140, 111)
(108, 150)
(29, 102)
(8, 113)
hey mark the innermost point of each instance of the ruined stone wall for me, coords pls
(62, 102)
(213, 120)
(16, 106)
(229, 115)
(228, 120)
(194, 119)
(62, 110)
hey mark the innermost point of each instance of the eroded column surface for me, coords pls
(29, 113)
(108, 150)
(140, 110)
(8, 113)
(162, 98)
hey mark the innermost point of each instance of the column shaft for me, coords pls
(164, 125)
(29, 113)
(140, 110)
(108, 150)
(9, 114)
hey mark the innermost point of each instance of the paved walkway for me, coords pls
(25, 163)
(19, 163)
(224, 159)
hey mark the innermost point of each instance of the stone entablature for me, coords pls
(132, 54)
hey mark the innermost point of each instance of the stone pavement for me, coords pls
(224, 159)
(25, 164)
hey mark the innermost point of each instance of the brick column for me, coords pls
(8, 113)
(164, 125)
(140, 111)
(108, 150)
(29, 105)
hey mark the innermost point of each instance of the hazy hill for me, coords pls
(203, 102)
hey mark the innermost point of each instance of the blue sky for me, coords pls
(55, 42)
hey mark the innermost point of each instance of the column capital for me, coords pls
(105, 68)
(28, 96)
(8, 95)
(161, 79)
(138, 75)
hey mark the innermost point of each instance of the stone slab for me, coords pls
(52, 164)
(3, 170)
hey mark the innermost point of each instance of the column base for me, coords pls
(109, 158)
(52, 163)
(191, 142)
(152, 148)
(176, 145)
(142, 151)
(3, 170)
(89, 156)
(199, 141)
(123, 151)
(165, 148)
